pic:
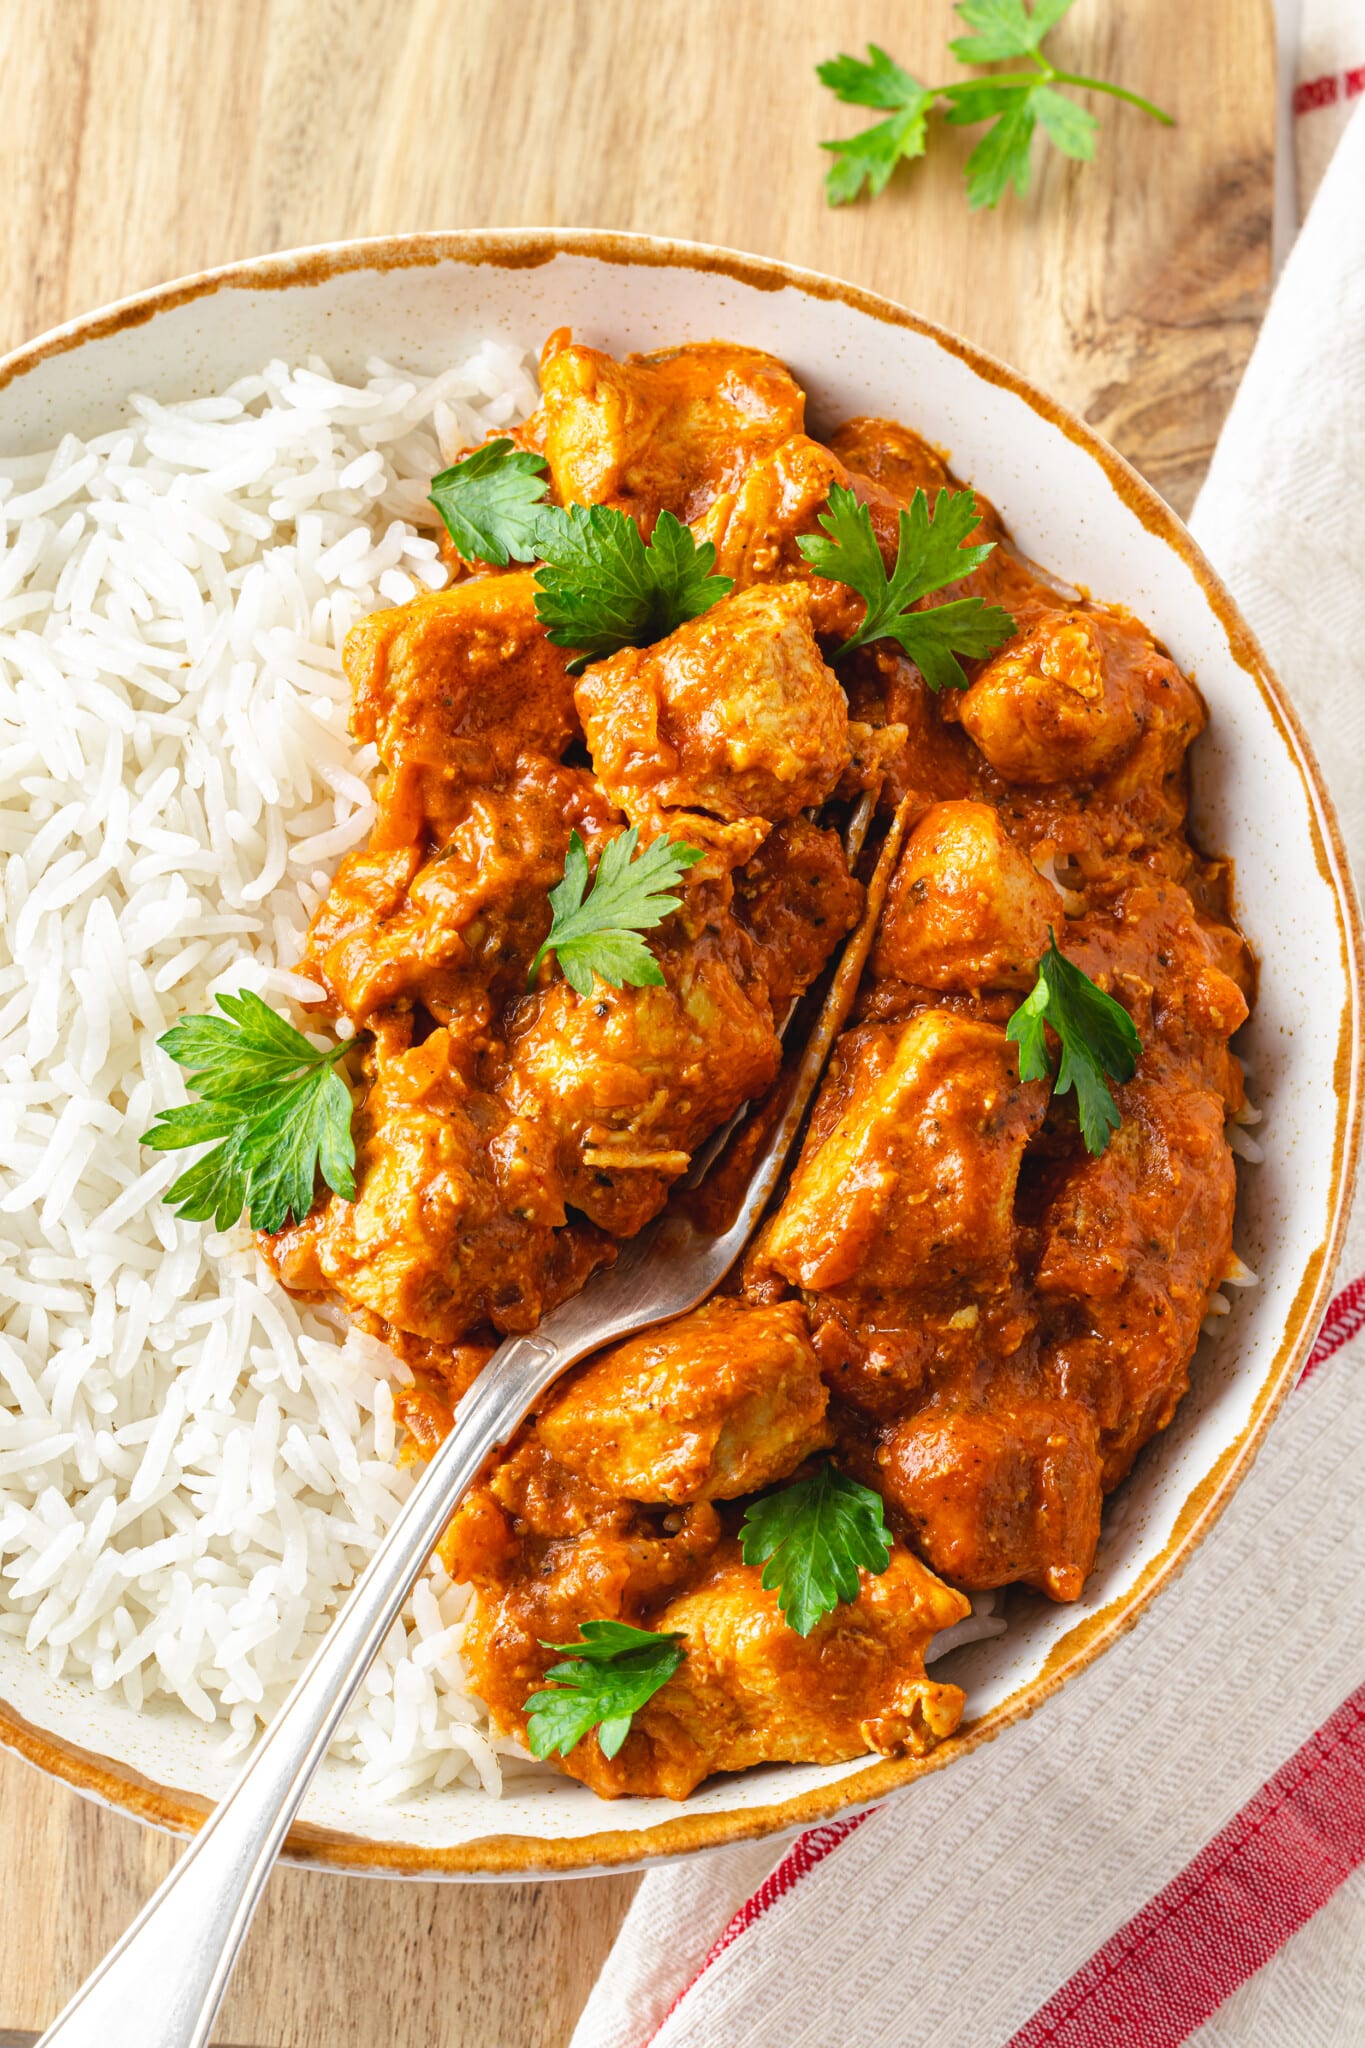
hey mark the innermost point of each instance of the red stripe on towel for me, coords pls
(1229, 1911)
(1329, 89)
(1317, 92)
(802, 1857)
(1345, 1317)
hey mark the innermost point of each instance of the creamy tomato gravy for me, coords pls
(955, 1300)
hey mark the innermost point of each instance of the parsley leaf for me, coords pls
(602, 588)
(811, 1537)
(492, 501)
(273, 1109)
(1004, 28)
(930, 553)
(1001, 158)
(596, 931)
(610, 1674)
(1070, 126)
(1016, 103)
(1098, 1037)
(878, 83)
(870, 156)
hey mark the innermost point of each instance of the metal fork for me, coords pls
(162, 1984)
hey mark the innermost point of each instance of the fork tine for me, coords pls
(771, 1160)
(855, 837)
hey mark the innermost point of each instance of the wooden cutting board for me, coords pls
(140, 139)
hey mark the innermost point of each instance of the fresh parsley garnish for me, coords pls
(609, 1676)
(1016, 103)
(869, 157)
(597, 931)
(930, 553)
(811, 1538)
(602, 588)
(492, 502)
(272, 1108)
(1097, 1035)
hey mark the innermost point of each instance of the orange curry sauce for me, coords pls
(979, 1319)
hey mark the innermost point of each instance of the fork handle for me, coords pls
(162, 1984)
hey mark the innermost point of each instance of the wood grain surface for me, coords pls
(141, 139)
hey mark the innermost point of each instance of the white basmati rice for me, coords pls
(193, 1466)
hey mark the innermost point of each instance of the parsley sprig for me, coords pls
(811, 1538)
(608, 1676)
(1097, 1035)
(597, 931)
(272, 1108)
(492, 501)
(930, 553)
(604, 588)
(601, 586)
(1015, 103)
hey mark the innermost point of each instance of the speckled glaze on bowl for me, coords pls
(1074, 506)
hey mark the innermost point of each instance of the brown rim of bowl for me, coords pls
(521, 1856)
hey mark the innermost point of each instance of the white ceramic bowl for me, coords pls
(1072, 505)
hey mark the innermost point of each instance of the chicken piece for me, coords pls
(1186, 979)
(452, 688)
(367, 896)
(1072, 697)
(663, 432)
(735, 714)
(545, 1551)
(622, 1085)
(755, 529)
(1001, 1489)
(966, 908)
(458, 931)
(555, 1550)
(750, 1690)
(905, 1186)
(1174, 714)
(1135, 1242)
(451, 1227)
(1049, 708)
(719, 1403)
(798, 899)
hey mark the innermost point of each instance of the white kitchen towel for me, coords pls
(1119, 1871)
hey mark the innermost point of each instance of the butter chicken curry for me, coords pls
(965, 1310)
